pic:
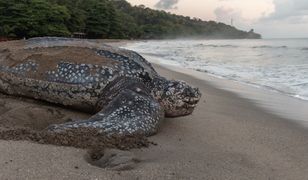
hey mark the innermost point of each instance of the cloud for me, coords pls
(293, 11)
(166, 4)
(289, 19)
(243, 13)
(271, 18)
(225, 14)
(274, 18)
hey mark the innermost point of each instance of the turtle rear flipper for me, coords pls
(132, 112)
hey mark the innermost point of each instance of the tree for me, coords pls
(103, 19)
(97, 22)
(47, 19)
(29, 18)
(13, 18)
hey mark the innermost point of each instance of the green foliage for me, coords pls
(97, 23)
(29, 18)
(103, 19)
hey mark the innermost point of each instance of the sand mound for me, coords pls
(26, 119)
(81, 138)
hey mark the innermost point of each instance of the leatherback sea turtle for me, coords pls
(120, 86)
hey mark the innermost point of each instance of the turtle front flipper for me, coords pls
(133, 111)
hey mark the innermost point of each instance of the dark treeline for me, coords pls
(103, 19)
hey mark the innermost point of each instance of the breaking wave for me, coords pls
(279, 65)
(269, 47)
(305, 49)
(215, 46)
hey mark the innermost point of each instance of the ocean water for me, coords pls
(275, 64)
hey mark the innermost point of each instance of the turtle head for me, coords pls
(178, 98)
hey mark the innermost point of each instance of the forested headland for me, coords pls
(112, 19)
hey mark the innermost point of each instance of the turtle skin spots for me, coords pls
(73, 73)
(120, 86)
(128, 67)
(132, 112)
(20, 69)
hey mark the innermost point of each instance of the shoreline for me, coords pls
(233, 88)
(248, 142)
(227, 137)
(271, 100)
(275, 102)
(178, 69)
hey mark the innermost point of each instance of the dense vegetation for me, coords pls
(103, 19)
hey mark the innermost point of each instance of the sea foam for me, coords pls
(278, 64)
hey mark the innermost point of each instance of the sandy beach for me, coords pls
(227, 137)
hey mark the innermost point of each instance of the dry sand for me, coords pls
(227, 137)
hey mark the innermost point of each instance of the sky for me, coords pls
(271, 18)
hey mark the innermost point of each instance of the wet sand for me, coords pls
(227, 137)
